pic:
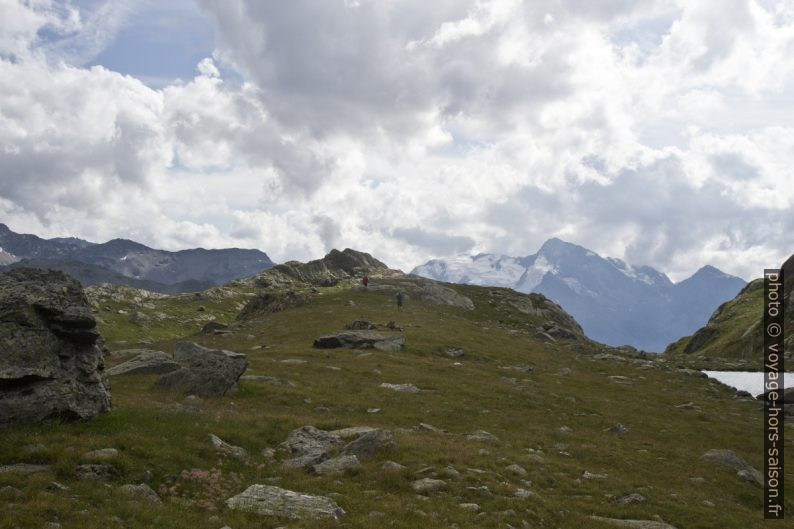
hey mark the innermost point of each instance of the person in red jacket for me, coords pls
(365, 280)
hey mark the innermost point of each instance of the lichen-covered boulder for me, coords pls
(50, 350)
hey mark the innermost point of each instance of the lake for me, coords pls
(752, 381)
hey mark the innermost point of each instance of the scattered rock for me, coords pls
(209, 372)
(516, 469)
(428, 485)
(523, 493)
(351, 432)
(51, 364)
(370, 443)
(214, 327)
(308, 446)
(335, 465)
(634, 524)
(361, 340)
(564, 372)
(149, 362)
(103, 454)
(228, 449)
(55, 486)
(404, 388)
(23, 468)
(563, 430)
(268, 500)
(627, 499)
(617, 428)
(142, 491)
(269, 380)
(686, 406)
(729, 458)
(590, 475)
(482, 435)
(431, 428)
(391, 466)
(469, 506)
(454, 352)
(96, 472)
(10, 493)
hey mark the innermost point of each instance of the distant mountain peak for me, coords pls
(616, 302)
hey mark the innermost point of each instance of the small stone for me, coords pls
(370, 443)
(708, 503)
(517, 469)
(428, 485)
(686, 406)
(228, 449)
(142, 491)
(103, 454)
(482, 435)
(564, 372)
(563, 430)
(55, 486)
(391, 466)
(403, 388)
(591, 475)
(96, 472)
(10, 493)
(469, 506)
(23, 468)
(523, 493)
(373, 410)
(617, 428)
(627, 499)
(335, 465)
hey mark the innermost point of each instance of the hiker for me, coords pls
(365, 280)
(399, 300)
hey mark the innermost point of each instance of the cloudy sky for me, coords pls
(658, 131)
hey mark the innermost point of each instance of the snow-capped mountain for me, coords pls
(614, 302)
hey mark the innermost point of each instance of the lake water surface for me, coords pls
(748, 380)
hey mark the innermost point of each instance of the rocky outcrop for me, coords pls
(270, 302)
(361, 340)
(147, 362)
(208, 371)
(50, 350)
(331, 269)
(275, 501)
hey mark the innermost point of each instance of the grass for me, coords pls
(166, 436)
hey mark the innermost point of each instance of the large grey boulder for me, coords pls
(361, 340)
(50, 350)
(209, 371)
(274, 501)
(729, 458)
(147, 362)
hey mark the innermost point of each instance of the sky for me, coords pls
(656, 131)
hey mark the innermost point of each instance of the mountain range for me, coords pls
(615, 303)
(129, 263)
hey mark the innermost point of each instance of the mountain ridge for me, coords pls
(615, 302)
(123, 258)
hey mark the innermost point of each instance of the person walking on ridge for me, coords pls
(399, 300)
(365, 281)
